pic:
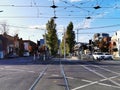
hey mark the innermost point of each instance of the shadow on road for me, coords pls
(53, 61)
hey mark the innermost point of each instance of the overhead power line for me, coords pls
(116, 25)
(109, 26)
(68, 16)
(68, 6)
(24, 27)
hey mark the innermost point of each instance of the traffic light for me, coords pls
(90, 42)
(90, 48)
(38, 43)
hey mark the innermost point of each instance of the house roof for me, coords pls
(7, 38)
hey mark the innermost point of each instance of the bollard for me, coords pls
(38, 57)
(34, 57)
(44, 57)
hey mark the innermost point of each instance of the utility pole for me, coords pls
(77, 35)
(64, 44)
(45, 47)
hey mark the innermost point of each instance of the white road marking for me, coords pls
(107, 70)
(70, 77)
(101, 75)
(20, 70)
(108, 85)
(85, 85)
(101, 83)
(55, 75)
(2, 68)
(96, 82)
(86, 80)
(109, 78)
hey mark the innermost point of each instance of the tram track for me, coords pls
(38, 79)
(43, 75)
(64, 76)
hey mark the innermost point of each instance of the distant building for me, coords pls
(81, 48)
(101, 42)
(99, 36)
(42, 42)
(7, 45)
(29, 46)
(116, 44)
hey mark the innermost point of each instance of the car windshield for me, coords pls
(107, 54)
(99, 53)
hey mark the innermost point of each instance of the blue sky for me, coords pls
(24, 13)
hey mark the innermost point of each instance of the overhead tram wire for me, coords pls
(50, 6)
(24, 27)
(110, 26)
(72, 5)
(95, 32)
(34, 3)
(69, 16)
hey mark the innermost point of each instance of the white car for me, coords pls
(102, 56)
(98, 56)
(108, 56)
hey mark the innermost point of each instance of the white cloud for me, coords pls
(79, 0)
(38, 27)
(86, 23)
(102, 14)
(75, 0)
(83, 38)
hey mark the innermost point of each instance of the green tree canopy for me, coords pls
(51, 37)
(70, 37)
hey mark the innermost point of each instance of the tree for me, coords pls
(51, 37)
(4, 28)
(70, 37)
(62, 46)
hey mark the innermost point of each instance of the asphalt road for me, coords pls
(26, 74)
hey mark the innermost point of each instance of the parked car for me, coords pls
(102, 56)
(108, 56)
(26, 53)
(12, 55)
(98, 56)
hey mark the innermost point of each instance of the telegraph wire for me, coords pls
(68, 16)
(109, 26)
(72, 6)
(116, 25)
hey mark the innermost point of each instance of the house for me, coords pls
(101, 42)
(10, 45)
(7, 45)
(115, 44)
(30, 46)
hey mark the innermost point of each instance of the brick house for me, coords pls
(6, 45)
(11, 45)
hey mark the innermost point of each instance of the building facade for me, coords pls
(115, 40)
